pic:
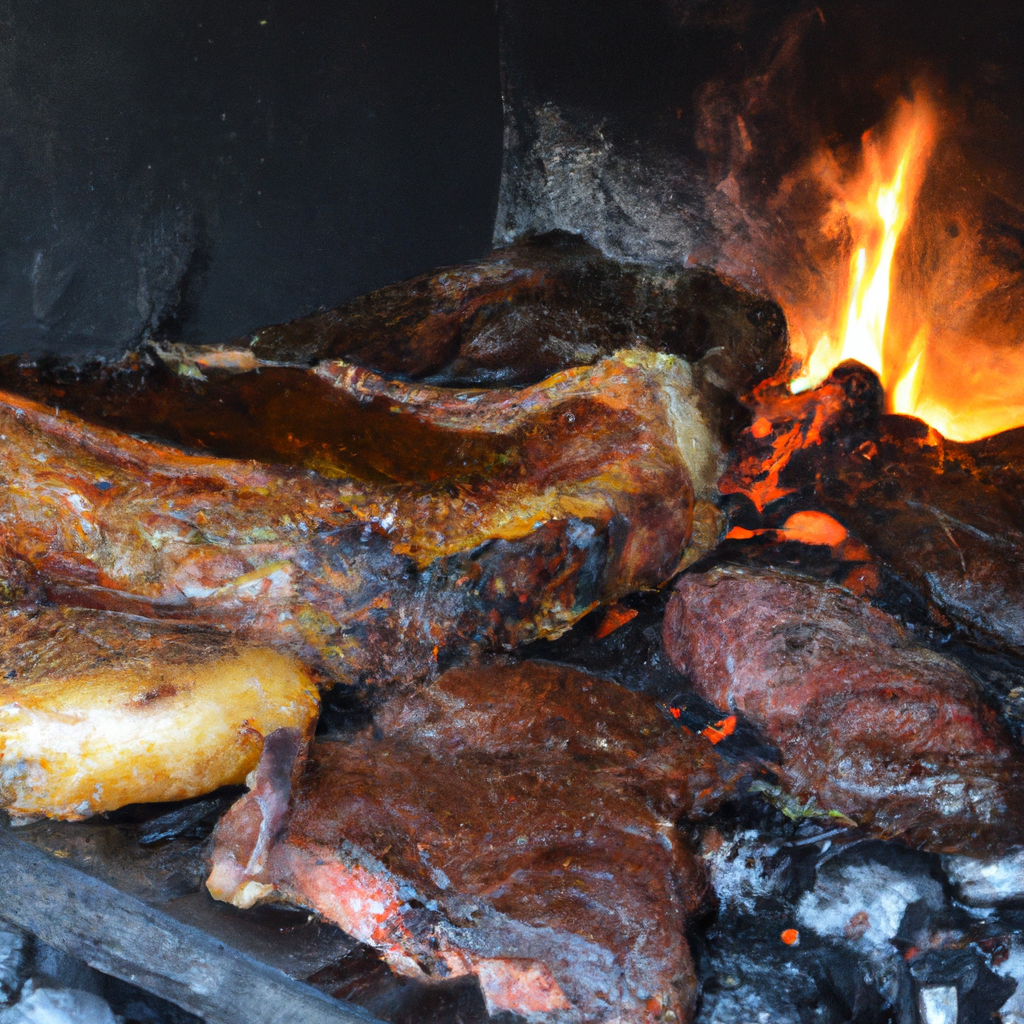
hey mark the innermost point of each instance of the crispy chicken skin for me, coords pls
(99, 710)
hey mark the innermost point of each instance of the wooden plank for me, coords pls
(120, 935)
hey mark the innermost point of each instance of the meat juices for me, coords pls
(438, 517)
(893, 735)
(512, 822)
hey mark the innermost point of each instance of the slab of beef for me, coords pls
(890, 734)
(99, 710)
(542, 304)
(946, 516)
(520, 314)
(515, 822)
(476, 518)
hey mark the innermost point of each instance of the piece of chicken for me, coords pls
(99, 710)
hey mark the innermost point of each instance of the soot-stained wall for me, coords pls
(195, 170)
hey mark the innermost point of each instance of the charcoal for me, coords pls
(870, 726)
(12, 961)
(59, 1006)
(947, 516)
(512, 822)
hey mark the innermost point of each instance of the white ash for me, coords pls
(58, 1006)
(743, 867)
(987, 882)
(745, 1007)
(12, 962)
(1012, 1011)
(865, 902)
(937, 1004)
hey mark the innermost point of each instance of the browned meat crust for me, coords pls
(520, 314)
(535, 307)
(895, 736)
(478, 518)
(513, 822)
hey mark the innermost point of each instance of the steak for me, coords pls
(868, 724)
(515, 822)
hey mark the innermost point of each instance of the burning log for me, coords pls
(868, 724)
(471, 518)
(943, 515)
(99, 710)
(512, 822)
(946, 516)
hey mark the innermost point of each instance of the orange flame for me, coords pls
(964, 385)
(875, 208)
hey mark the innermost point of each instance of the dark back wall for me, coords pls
(196, 170)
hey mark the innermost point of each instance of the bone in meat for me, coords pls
(99, 710)
(522, 313)
(513, 822)
(470, 518)
(868, 724)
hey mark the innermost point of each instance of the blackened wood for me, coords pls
(122, 936)
(946, 517)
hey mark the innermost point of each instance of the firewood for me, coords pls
(120, 935)
(947, 517)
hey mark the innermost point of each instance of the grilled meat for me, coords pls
(868, 724)
(438, 517)
(514, 822)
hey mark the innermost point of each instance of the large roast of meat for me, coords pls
(482, 517)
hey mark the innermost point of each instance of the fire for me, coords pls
(875, 208)
(963, 386)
